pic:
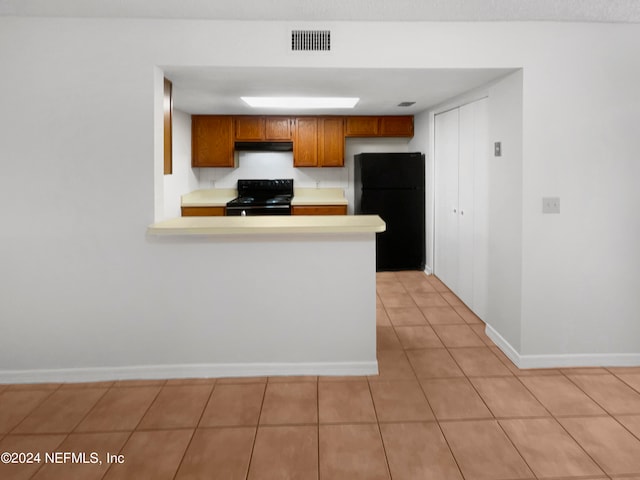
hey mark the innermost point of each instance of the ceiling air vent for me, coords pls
(406, 104)
(310, 40)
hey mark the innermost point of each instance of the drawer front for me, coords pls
(203, 211)
(319, 210)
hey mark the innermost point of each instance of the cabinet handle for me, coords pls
(461, 212)
(455, 210)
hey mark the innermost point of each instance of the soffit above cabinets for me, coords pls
(334, 10)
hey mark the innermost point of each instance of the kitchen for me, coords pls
(361, 131)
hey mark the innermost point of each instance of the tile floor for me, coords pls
(447, 404)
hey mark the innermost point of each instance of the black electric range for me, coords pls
(262, 197)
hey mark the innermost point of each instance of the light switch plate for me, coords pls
(551, 205)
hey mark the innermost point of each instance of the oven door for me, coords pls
(251, 211)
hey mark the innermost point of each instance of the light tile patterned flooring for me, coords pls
(447, 404)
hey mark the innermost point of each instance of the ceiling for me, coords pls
(329, 10)
(217, 90)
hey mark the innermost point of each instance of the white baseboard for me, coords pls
(428, 270)
(150, 372)
(562, 360)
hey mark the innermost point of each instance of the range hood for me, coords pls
(264, 146)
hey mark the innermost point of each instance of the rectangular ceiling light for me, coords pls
(301, 102)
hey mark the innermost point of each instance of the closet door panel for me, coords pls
(466, 183)
(446, 198)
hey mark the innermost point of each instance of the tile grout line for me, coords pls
(124, 444)
(27, 415)
(68, 434)
(377, 423)
(255, 436)
(195, 428)
(435, 418)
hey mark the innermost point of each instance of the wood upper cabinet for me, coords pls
(362, 126)
(380, 126)
(212, 141)
(305, 142)
(396, 126)
(252, 128)
(318, 142)
(277, 128)
(331, 142)
(248, 128)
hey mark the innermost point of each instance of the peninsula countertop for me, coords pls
(276, 224)
(218, 197)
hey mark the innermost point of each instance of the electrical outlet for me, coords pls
(551, 205)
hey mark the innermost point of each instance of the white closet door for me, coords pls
(446, 197)
(466, 184)
(461, 202)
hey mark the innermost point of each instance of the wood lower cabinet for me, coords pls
(203, 211)
(318, 142)
(212, 141)
(379, 126)
(319, 210)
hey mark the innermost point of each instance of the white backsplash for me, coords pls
(258, 165)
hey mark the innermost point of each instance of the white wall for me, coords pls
(502, 208)
(422, 141)
(81, 282)
(272, 165)
(183, 178)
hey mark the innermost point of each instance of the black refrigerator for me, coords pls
(392, 185)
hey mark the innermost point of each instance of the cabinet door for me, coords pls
(277, 128)
(396, 126)
(446, 197)
(362, 127)
(249, 128)
(305, 143)
(212, 141)
(331, 142)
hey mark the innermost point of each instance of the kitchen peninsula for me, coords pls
(299, 298)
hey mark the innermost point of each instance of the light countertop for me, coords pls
(218, 197)
(276, 224)
(213, 197)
